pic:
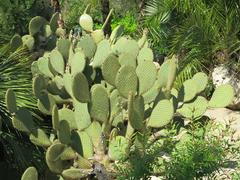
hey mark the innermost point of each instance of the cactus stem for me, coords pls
(87, 8)
(107, 19)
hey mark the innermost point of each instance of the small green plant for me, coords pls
(195, 159)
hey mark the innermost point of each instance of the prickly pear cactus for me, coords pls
(42, 35)
(100, 91)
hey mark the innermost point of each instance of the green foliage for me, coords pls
(15, 15)
(195, 159)
(128, 21)
(111, 102)
(201, 32)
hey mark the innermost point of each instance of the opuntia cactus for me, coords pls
(100, 92)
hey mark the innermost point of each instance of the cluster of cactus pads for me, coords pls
(42, 34)
(99, 92)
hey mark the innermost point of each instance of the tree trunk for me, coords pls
(57, 8)
(105, 10)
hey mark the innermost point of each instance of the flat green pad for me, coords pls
(38, 85)
(88, 46)
(188, 91)
(201, 80)
(126, 81)
(163, 74)
(98, 35)
(64, 135)
(45, 103)
(95, 131)
(54, 21)
(74, 173)
(161, 114)
(68, 154)
(222, 96)
(30, 174)
(103, 51)
(195, 109)
(116, 33)
(16, 42)
(23, 121)
(145, 54)
(67, 115)
(55, 164)
(124, 45)
(151, 94)
(55, 117)
(67, 81)
(63, 46)
(80, 88)
(110, 68)
(43, 66)
(99, 105)
(81, 114)
(127, 59)
(57, 61)
(28, 41)
(83, 143)
(78, 63)
(136, 112)
(10, 100)
(40, 138)
(86, 22)
(36, 24)
(147, 74)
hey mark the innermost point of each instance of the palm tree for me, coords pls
(15, 72)
(201, 32)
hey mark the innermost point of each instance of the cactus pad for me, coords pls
(88, 46)
(127, 59)
(30, 174)
(57, 61)
(103, 51)
(161, 114)
(147, 74)
(78, 63)
(222, 96)
(74, 173)
(64, 135)
(188, 91)
(201, 80)
(110, 68)
(126, 81)
(86, 22)
(63, 46)
(36, 24)
(99, 106)
(81, 115)
(145, 54)
(23, 121)
(10, 100)
(54, 21)
(116, 33)
(80, 88)
(195, 109)
(136, 111)
(40, 138)
(95, 131)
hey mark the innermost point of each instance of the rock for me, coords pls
(226, 117)
(228, 74)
